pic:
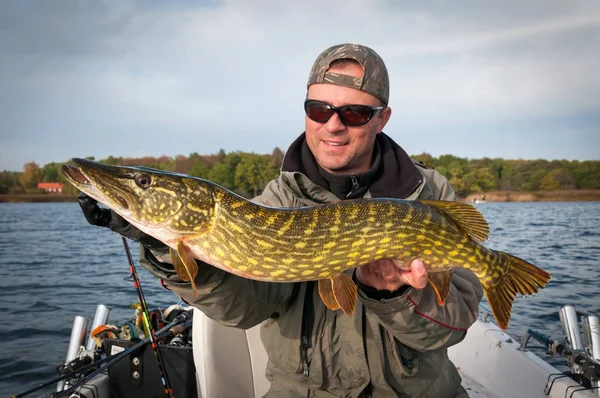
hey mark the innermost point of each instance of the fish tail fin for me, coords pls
(522, 277)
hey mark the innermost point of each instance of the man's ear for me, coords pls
(384, 117)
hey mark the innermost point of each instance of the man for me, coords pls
(395, 345)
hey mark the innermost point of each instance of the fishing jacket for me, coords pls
(395, 345)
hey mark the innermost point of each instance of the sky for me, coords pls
(509, 79)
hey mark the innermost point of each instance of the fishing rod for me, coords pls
(172, 329)
(116, 359)
(150, 329)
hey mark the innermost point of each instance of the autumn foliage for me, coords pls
(248, 173)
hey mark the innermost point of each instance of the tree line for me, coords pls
(469, 176)
(248, 173)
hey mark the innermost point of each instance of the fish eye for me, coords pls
(143, 180)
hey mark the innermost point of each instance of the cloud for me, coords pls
(154, 78)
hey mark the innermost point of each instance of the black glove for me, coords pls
(107, 218)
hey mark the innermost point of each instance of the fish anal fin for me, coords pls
(185, 265)
(326, 293)
(466, 217)
(440, 282)
(345, 292)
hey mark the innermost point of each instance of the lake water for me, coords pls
(56, 266)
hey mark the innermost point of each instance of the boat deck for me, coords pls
(475, 389)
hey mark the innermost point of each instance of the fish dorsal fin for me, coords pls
(466, 217)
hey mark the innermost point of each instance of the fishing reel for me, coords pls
(580, 347)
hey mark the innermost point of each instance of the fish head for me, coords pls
(162, 204)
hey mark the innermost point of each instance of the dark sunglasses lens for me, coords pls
(355, 115)
(318, 111)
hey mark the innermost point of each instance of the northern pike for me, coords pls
(199, 219)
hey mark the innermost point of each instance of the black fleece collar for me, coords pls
(350, 186)
(392, 175)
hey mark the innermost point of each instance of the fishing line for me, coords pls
(148, 325)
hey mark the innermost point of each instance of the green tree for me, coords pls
(425, 158)
(223, 172)
(253, 172)
(32, 175)
(507, 180)
(479, 179)
(549, 183)
(9, 181)
(51, 172)
(112, 160)
(200, 169)
(278, 156)
(557, 179)
(586, 174)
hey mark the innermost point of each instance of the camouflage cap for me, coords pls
(375, 79)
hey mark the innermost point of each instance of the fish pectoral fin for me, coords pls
(440, 282)
(345, 292)
(326, 293)
(185, 265)
(466, 217)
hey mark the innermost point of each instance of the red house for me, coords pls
(51, 187)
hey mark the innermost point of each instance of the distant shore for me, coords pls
(574, 195)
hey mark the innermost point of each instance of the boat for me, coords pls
(479, 200)
(230, 362)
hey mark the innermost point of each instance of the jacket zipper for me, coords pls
(308, 319)
(355, 185)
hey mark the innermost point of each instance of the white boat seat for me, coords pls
(230, 362)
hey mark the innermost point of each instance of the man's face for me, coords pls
(337, 148)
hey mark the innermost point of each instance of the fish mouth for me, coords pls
(82, 177)
(74, 175)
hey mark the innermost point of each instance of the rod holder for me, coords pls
(78, 335)
(570, 327)
(591, 335)
(101, 318)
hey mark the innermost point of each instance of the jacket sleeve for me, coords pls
(418, 321)
(225, 297)
(442, 190)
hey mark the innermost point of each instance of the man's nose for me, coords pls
(334, 124)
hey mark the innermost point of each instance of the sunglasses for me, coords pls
(350, 115)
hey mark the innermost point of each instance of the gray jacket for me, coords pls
(391, 347)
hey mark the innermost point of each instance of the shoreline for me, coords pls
(573, 195)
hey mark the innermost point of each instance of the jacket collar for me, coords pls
(396, 176)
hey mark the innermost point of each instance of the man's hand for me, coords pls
(92, 212)
(385, 275)
(107, 218)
